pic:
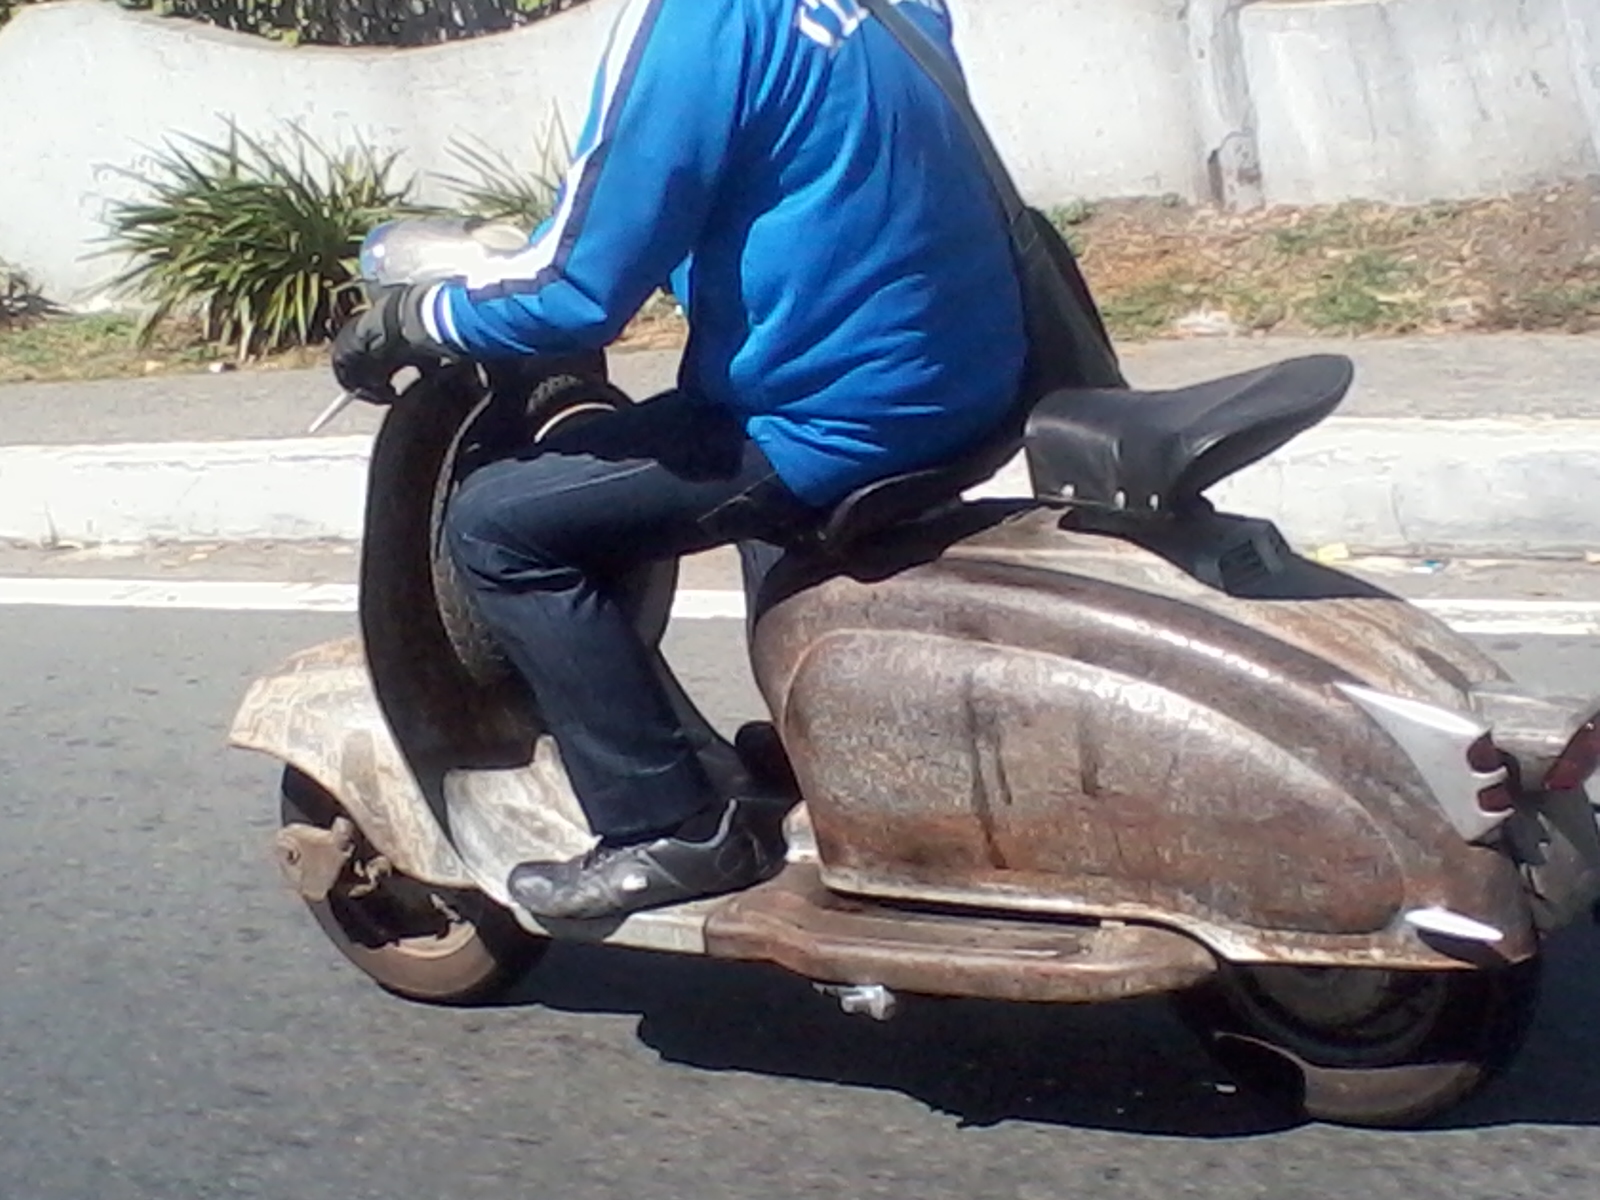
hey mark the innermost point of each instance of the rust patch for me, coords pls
(1119, 788)
(977, 741)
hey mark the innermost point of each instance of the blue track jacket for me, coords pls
(820, 213)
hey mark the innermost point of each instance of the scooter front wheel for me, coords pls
(1364, 1046)
(419, 942)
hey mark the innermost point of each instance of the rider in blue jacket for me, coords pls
(853, 313)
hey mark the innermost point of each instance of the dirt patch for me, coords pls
(1159, 269)
(1529, 261)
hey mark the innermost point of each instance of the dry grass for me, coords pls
(105, 346)
(1524, 262)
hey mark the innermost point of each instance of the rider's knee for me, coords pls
(486, 535)
(473, 536)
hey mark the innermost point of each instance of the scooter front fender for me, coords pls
(317, 714)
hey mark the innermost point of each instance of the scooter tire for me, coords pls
(438, 673)
(1463, 1037)
(480, 955)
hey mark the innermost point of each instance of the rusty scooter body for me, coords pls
(1096, 743)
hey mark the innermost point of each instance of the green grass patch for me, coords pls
(70, 348)
(1573, 304)
(1527, 261)
(1145, 309)
(1368, 290)
(107, 346)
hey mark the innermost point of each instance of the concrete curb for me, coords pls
(291, 489)
(1412, 486)
(1385, 486)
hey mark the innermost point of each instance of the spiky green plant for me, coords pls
(498, 189)
(257, 240)
(21, 302)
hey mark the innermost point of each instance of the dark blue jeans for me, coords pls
(536, 537)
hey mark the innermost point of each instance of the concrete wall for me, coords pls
(1290, 101)
(1583, 47)
(92, 88)
(1414, 100)
(1085, 97)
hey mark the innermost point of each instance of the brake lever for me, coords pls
(340, 402)
(348, 397)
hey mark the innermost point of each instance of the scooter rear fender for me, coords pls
(1553, 832)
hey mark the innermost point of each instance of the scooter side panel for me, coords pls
(317, 713)
(1053, 721)
(959, 758)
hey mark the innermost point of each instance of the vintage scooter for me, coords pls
(1096, 743)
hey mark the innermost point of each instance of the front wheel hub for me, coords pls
(312, 859)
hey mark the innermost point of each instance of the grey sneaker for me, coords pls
(612, 881)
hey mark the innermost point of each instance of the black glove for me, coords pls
(386, 337)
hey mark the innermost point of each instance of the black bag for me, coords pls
(1068, 346)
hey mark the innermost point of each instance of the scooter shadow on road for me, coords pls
(1556, 1078)
(1127, 1067)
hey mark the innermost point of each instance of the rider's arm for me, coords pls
(664, 111)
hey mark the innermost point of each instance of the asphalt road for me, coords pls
(173, 1027)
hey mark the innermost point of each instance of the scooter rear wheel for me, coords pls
(1362, 1046)
(417, 941)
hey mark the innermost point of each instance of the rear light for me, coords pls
(1578, 761)
(1497, 799)
(1485, 758)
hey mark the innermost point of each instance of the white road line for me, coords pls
(257, 596)
(213, 594)
(1556, 618)
(1552, 618)
(706, 605)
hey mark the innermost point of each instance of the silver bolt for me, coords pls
(863, 999)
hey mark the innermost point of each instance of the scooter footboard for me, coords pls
(802, 926)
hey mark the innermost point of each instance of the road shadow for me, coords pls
(1123, 1067)
(1556, 1078)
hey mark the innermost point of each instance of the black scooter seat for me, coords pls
(1158, 451)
